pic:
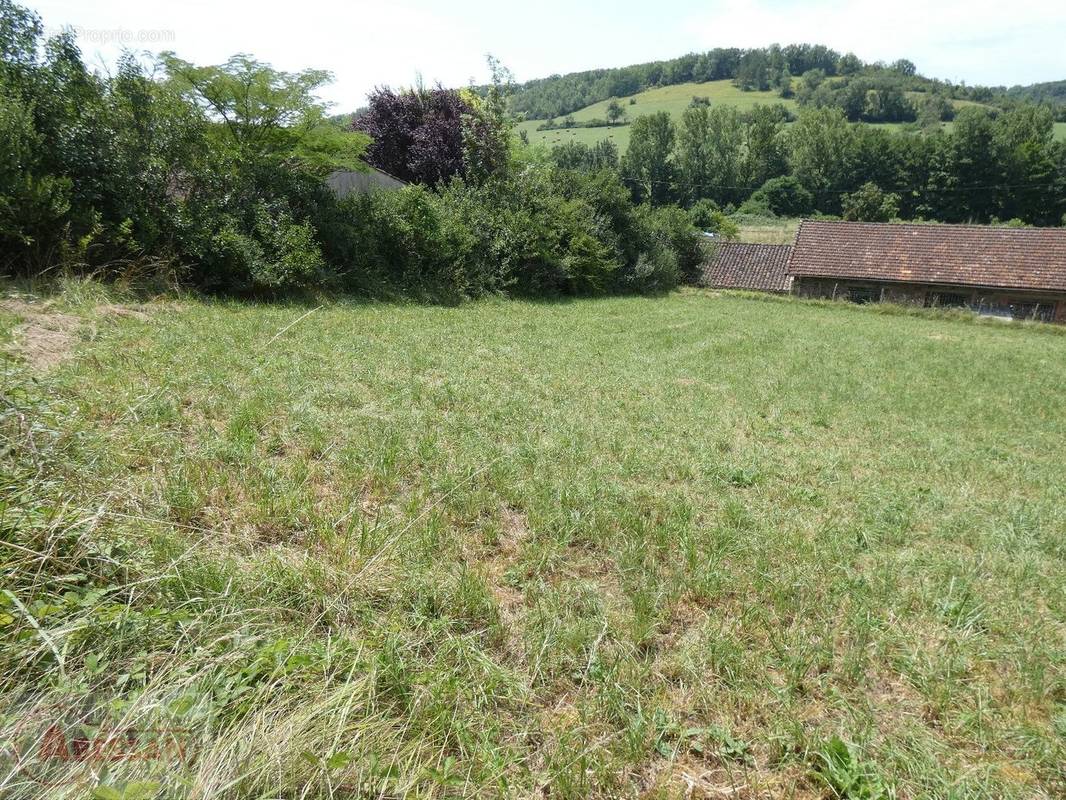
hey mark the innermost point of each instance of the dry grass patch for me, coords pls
(45, 337)
(700, 545)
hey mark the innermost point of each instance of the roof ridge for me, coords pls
(933, 225)
(1027, 259)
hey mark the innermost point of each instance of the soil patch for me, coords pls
(44, 338)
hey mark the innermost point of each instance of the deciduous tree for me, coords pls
(648, 164)
(870, 204)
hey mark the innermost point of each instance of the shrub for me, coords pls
(676, 235)
(408, 240)
(543, 241)
(277, 253)
(756, 206)
(417, 133)
(707, 216)
(656, 270)
(870, 204)
(538, 231)
(655, 248)
(32, 205)
(781, 197)
(220, 170)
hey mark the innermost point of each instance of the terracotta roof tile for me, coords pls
(964, 255)
(761, 267)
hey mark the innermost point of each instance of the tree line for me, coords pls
(990, 166)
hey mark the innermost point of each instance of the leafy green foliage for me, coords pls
(536, 231)
(218, 171)
(782, 197)
(277, 253)
(577, 155)
(849, 778)
(487, 128)
(32, 204)
(266, 115)
(870, 204)
(649, 164)
(674, 230)
(707, 216)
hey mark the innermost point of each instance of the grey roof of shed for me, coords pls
(346, 182)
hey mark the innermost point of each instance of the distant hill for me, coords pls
(573, 107)
(1053, 92)
(674, 100)
(761, 69)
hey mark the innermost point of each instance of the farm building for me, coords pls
(1017, 273)
(755, 267)
(346, 182)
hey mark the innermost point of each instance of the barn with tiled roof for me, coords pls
(754, 267)
(1009, 272)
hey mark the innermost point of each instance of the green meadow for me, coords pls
(697, 545)
(674, 100)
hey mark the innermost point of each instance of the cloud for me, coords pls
(981, 41)
(369, 43)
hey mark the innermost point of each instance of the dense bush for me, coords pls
(578, 155)
(783, 196)
(214, 170)
(707, 216)
(534, 232)
(870, 204)
(405, 241)
(674, 234)
(218, 172)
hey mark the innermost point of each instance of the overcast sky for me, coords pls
(366, 44)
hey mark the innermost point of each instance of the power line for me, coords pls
(984, 187)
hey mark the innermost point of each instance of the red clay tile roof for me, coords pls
(964, 255)
(761, 267)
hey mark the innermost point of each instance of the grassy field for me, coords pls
(674, 99)
(619, 134)
(769, 231)
(692, 546)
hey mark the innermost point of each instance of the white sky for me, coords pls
(366, 44)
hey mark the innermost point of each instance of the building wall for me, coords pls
(991, 301)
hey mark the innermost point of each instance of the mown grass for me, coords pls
(699, 545)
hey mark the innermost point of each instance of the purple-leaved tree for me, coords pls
(417, 133)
